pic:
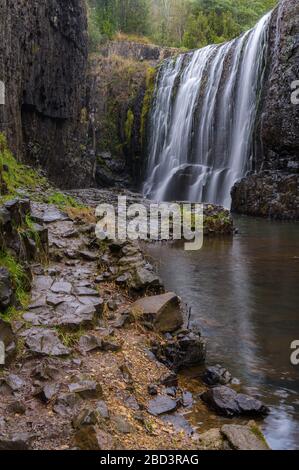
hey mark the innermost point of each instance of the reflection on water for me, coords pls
(244, 295)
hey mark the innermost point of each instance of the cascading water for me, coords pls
(202, 120)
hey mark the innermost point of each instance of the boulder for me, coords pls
(163, 311)
(216, 375)
(184, 350)
(244, 437)
(227, 402)
(94, 438)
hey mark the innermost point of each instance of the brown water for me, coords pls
(244, 294)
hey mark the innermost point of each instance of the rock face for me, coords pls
(274, 190)
(163, 311)
(43, 57)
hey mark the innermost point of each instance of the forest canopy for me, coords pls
(178, 23)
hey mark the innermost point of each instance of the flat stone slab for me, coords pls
(62, 287)
(162, 405)
(162, 310)
(45, 213)
(45, 342)
(244, 437)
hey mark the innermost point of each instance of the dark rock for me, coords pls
(86, 417)
(46, 370)
(145, 278)
(6, 339)
(183, 351)
(169, 380)
(87, 389)
(6, 290)
(44, 342)
(187, 399)
(88, 343)
(20, 441)
(123, 279)
(17, 407)
(15, 382)
(216, 375)
(89, 255)
(48, 392)
(65, 404)
(227, 402)
(162, 310)
(153, 390)
(162, 405)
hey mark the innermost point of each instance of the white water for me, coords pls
(202, 120)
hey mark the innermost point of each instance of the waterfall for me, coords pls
(201, 125)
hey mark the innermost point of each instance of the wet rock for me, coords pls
(217, 375)
(86, 417)
(44, 342)
(102, 409)
(44, 213)
(6, 290)
(163, 311)
(161, 405)
(152, 390)
(86, 389)
(71, 314)
(179, 423)
(18, 441)
(227, 402)
(185, 350)
(122, 425)
(93, 438)
(244, 437)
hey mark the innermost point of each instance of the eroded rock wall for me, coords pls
(43, 60)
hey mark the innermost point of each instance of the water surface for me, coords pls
(244, 295)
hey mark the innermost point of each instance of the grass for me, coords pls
(20, 283)
(14, 175)
(62, 200)
(122, 37)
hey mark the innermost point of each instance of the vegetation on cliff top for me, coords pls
(178, 23)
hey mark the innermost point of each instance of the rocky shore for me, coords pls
(93, 360)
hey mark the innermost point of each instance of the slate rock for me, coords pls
(163, 311)
(244, 437)
(93, 438)
(45, 342)
(61, 287)
(86, 417)
(217, 375)
(18, 441)
(162, 405)
(65, 404)
(227, 402)
(6, 290)
(48, 392)
(102, 409)
(86, 389)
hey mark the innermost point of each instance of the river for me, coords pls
(244, 295)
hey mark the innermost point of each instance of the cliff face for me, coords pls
(43, 59)
(273, 190)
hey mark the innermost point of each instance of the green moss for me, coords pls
(258, 433)
(62, 200)
(19, 280)
(147, 101)
(14, 175)
(129, 126)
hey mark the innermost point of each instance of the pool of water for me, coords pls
(244, 295)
